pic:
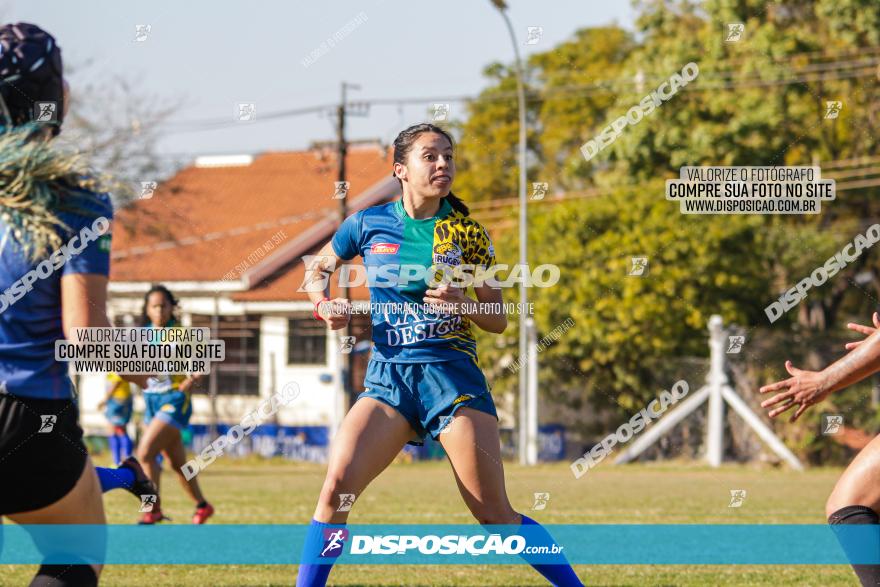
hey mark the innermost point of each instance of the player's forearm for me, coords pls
(858, 364)
(317, 276)
(485, 316)
(316, 298)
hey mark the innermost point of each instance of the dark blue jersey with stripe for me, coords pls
(30, 298)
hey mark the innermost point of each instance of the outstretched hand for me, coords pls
(802, 389)
(866, 330)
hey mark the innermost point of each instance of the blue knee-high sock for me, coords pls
(314, 575)
(115, 478)
(114, 447)
(126, 448)
(560, 575)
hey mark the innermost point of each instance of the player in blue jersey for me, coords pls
(54, 263)
(168, 410)
(423, 377)
(117, 406)
(855, 499)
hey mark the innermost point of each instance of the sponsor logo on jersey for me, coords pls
(384, 248)
(462, 398)
(447, 254)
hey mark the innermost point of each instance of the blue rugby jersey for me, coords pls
(30, 311)
(386, 237)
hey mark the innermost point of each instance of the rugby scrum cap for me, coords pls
(31, 84)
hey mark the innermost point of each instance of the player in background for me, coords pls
(168, 402)
(423, 377)
(856, 497)
(54, 263)
(117, 406)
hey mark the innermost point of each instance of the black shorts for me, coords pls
(42, 454)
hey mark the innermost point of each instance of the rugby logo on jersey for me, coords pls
(448, 254)
(384, 248)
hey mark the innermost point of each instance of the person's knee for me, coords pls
(833, 504)
(143, 454)
(147, 451)
(487, 513)
(844, 494)
(843, 501)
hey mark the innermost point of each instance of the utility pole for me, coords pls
(344, 387)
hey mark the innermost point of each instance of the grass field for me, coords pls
(281, 492)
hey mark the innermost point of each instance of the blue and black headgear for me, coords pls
(31, 83)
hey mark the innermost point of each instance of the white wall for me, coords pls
(314, 406)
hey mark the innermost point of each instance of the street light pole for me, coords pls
(524, 435)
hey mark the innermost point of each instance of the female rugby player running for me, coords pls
(423, 371)
(48, 200)
(856, 497)
(169, 408)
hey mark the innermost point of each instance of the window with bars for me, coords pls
(239, 373)
(306, 341)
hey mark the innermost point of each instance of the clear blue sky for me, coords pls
(215, 54)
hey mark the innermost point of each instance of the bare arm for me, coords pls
(858, 364)
(807, 388)
(488, 318)
(187, 383)
(83, 305)
(318, 271)
(489, 314)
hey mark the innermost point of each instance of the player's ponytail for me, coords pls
(403, 145)
(457, 204)
(37, 183)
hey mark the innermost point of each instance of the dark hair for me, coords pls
(157, 287)
(403, 145)
(30, 72)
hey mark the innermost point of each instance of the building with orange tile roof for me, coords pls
(227, 236)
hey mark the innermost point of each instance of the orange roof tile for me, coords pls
(204, 222)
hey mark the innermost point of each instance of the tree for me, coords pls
(118, 124)
(759, 101)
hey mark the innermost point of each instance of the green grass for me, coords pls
(281, 492)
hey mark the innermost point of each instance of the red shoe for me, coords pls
(202, 514)
(150, 518)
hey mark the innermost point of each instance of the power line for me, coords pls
(863, 68)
